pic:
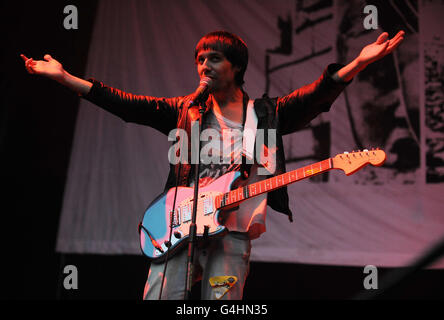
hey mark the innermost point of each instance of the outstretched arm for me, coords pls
(369, 54)
(159, 113)
(53, 69)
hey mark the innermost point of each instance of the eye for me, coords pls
(217, 58)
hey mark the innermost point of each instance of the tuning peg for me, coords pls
(365, 150)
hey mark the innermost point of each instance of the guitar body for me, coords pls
(154, 229)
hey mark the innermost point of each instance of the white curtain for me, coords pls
(384, 216)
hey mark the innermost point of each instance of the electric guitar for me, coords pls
(217, 197)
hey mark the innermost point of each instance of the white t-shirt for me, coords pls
(221, 152)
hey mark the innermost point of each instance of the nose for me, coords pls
(206, 65)
(205, 68)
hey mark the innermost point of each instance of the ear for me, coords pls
(236, 69)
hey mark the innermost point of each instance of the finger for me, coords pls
(29, 68)
(30, 63)
(24, 57)
(382, 38)
(394, 45)
(385, 46)
(397, 39)
(400, 34)
(47, 57)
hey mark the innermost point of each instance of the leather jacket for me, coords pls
(285, 114)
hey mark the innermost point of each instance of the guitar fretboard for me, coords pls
(257, 188)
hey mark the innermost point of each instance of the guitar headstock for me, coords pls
(351, 162)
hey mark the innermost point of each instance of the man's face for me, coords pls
(213, 64)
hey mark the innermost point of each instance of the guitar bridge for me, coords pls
(175, 218)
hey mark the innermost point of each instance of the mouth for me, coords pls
(212, 77)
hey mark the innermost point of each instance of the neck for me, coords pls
(227, 97)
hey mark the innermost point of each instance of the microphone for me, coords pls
(202, 91)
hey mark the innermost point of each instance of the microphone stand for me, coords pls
(193, 228)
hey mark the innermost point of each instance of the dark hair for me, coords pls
(233, 48)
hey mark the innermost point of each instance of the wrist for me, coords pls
(61, 77)
(360, 63)
(348, 72)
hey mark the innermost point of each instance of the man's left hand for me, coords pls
(380, 48)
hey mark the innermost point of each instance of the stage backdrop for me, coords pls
(383, 216)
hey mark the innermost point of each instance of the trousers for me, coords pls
(227, 256)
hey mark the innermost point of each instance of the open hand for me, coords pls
(50, 68)
(380, 48)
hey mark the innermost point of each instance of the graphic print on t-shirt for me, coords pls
(221, 147)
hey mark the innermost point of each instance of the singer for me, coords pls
(222, 263)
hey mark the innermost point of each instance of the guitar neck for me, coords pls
(236, 196)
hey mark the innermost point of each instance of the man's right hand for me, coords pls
(50, 68)
(53, 69)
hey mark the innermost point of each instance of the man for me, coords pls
(221, 263)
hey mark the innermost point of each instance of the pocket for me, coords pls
(240, 244)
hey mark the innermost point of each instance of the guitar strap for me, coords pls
(250, 129)
(248, 139)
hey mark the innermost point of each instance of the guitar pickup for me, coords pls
(208, 207)
(186, 212)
